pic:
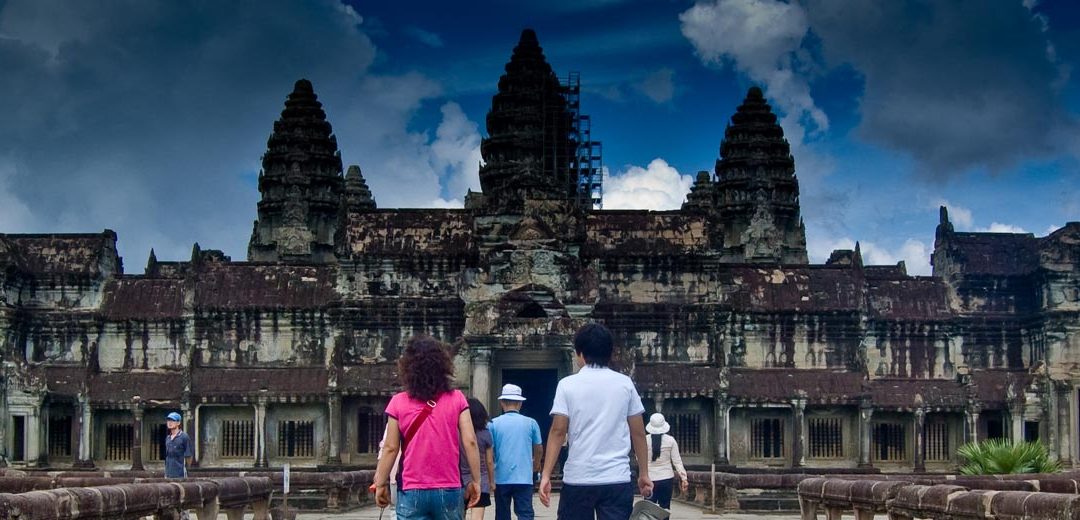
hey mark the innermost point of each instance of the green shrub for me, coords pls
(998, 456)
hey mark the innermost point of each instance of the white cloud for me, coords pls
(959, 216)
(760, 38)
(456, 151)
(658, 86)
(914, 253)
(658, 186)
(997, 227)
(425, 37)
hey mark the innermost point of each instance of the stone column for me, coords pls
(1016, 421)
(866, 412)
(260, 433)
(920, 440)
(334, 425)
(83, 457)
(1064, 409)
(658, 404)
(720, 418)
(481, 377)
(136, 436)
(798, 433)
(971, 424)
(33, 435)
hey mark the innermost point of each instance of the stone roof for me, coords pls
(921, 298)
(65, 380)
(999, 254)
(122, 387)
(262, 286)
(251, 381)
(410, 232)
(376, 379)
(645, 233)
(780, 385)
(85, 254)
(143, 298)
(785, 288)
(908, 393)
(992, 387)
(676, 378)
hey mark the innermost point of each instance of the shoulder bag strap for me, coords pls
(425, 412)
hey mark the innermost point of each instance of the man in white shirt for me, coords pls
(599, 413)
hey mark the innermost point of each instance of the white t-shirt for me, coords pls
(597, 401)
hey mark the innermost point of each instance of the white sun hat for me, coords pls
(511, 393)
(657, 424)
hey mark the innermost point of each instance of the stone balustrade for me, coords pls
(905, 501)
(164, 500)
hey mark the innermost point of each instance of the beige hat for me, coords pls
(657, 424)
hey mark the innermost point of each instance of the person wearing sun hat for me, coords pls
(663, 456)
(518, 447)
(178, 448)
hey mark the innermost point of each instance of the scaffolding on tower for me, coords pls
(587, 162)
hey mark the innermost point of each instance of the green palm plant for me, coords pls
(998, 456)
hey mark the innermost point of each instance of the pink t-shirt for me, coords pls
(431, 457)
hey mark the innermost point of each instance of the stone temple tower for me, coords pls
(301, 185)
(756, 192)
(529, 151)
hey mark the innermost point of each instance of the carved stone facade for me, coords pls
(758, 358)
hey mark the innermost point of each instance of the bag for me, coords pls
(413, 428)
(645, 510)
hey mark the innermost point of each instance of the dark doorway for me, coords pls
(18, 440)
(538, 387)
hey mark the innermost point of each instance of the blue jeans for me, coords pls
(429, 504)
(599, 502)
(521, 494)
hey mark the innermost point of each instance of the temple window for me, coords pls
(237, 438)
(995, 428)
(767, 438)
(158, 434)
(296, 439)
(369, 430)
(1031, 431)
(118, 441)
(889, 442)
(60, 436)
(686, 428)
(826, 437)
(937, 441)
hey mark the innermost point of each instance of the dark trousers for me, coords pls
(603, 502)
(661, 492)
(521, 494)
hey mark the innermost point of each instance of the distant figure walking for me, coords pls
(479, 416)
(430, 423)
(178, 448)
(663, 456)
(598, 411)
(518, 448)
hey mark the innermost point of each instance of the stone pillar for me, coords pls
(334, 427)
(971, 424)
(920, 440)
(260, 433)
(1016, 421)
(33, 435)
(658, 404)
(866, 412)
(136, 436)
(83, 457)
(1064, 409)
(798, 433)
(720, 418)
(481, 377)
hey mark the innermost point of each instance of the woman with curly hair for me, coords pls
(426, 422)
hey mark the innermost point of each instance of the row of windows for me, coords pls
(825, 440)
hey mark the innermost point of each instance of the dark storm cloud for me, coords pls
(957, 85)
(150, 118)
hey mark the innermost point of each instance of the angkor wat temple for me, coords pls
(759, 358)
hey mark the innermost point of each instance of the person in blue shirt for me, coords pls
(517, 456)
(178, 448)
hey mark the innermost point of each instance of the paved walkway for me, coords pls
(678, 511)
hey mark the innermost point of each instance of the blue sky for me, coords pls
(150, 117)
